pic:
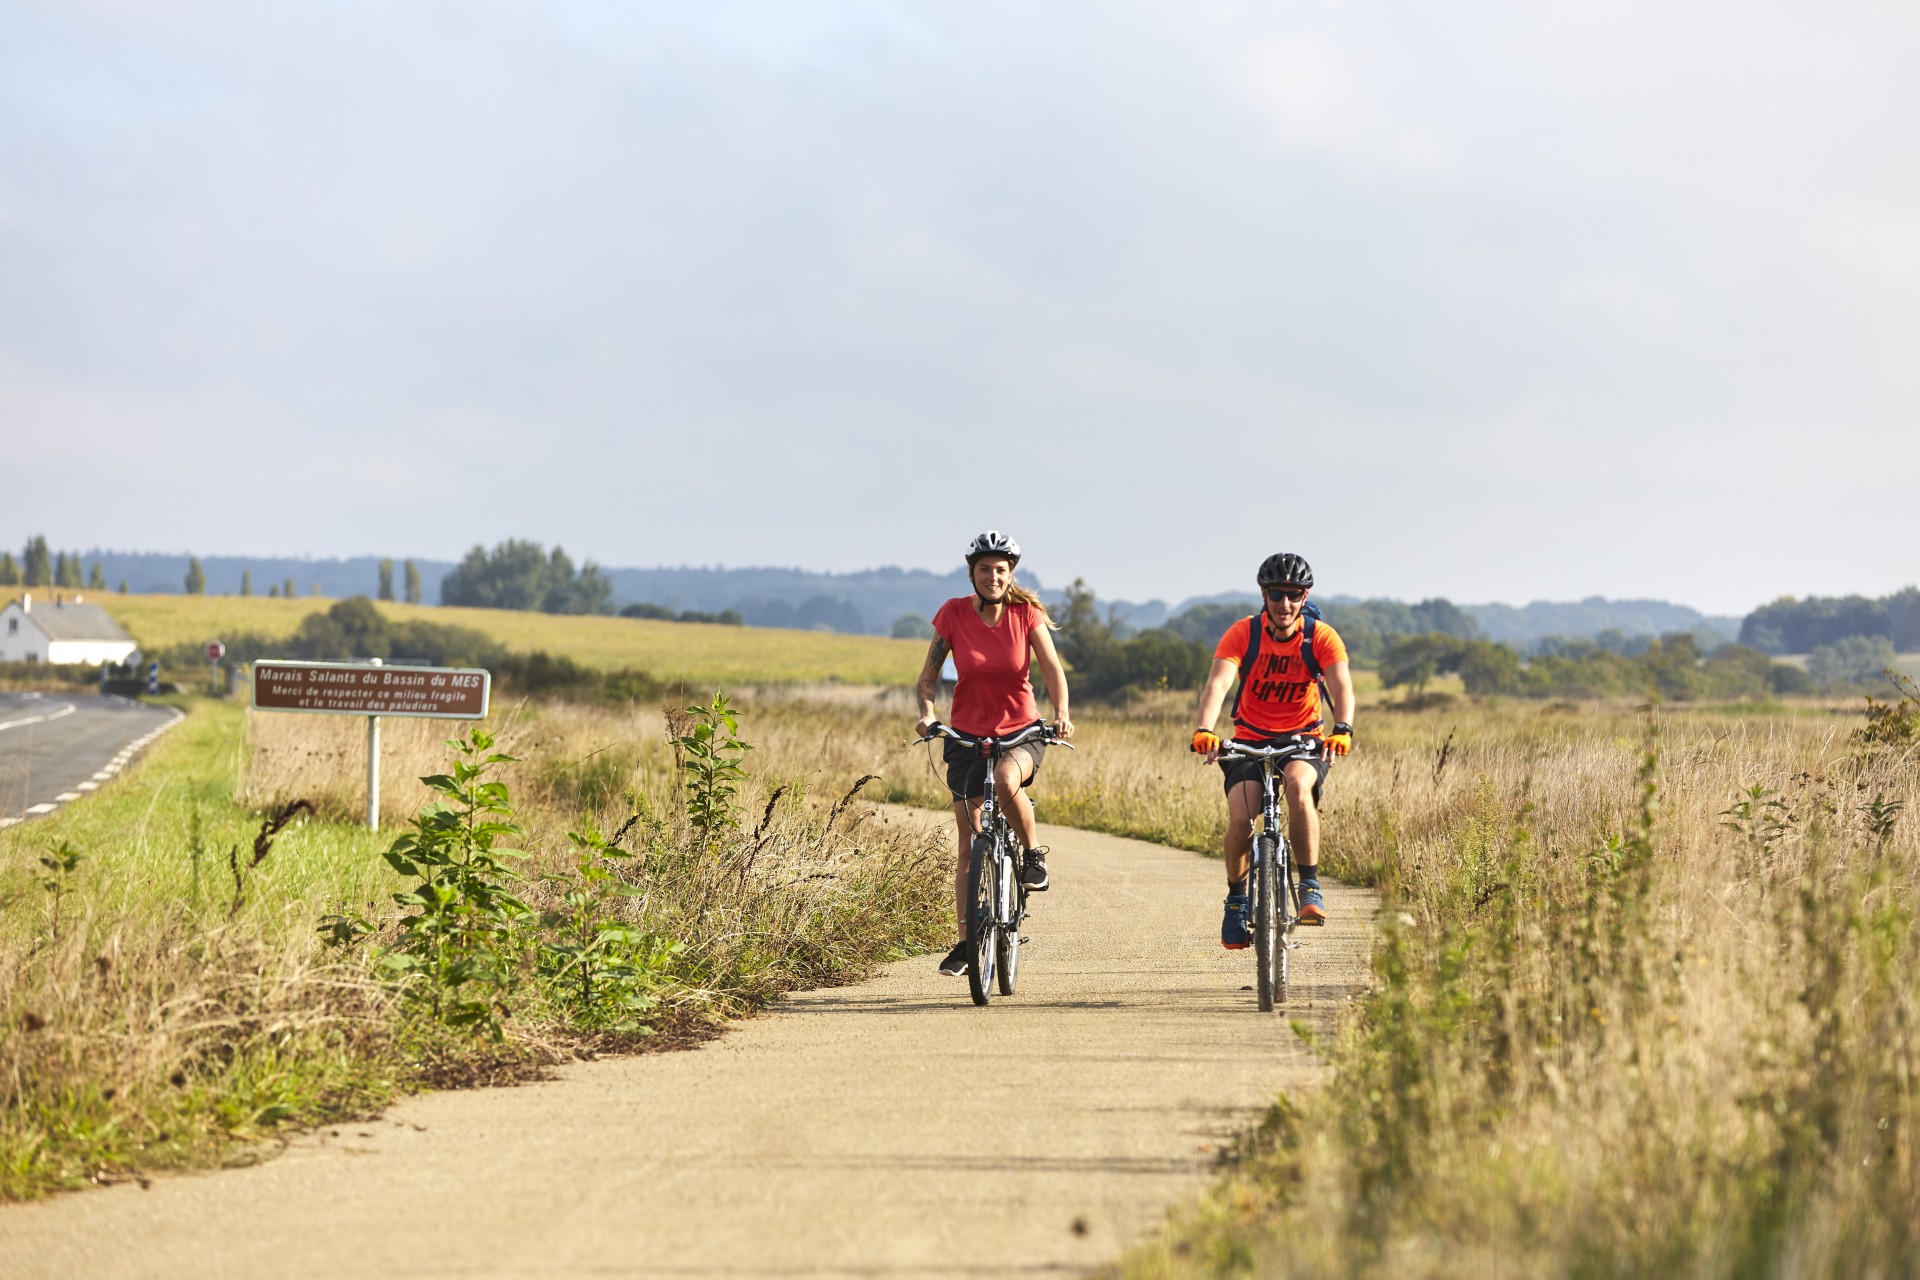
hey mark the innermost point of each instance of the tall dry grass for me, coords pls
(1622, 1024)
(159, 1009)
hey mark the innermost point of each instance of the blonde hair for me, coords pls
(1018, 594)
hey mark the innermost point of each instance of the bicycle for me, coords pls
(999, 900)
(1273, 906)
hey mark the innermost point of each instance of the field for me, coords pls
(1645, 1001)
(167, 999)
(698, 653)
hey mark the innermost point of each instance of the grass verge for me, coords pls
(164, 1005)
(1645, 1003)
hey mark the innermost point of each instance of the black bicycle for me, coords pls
(998, 899)
(1273, 900)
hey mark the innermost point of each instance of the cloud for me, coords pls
(1503, 301)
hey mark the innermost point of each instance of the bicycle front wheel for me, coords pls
(1012, 899)
(983, 928)
(1267, 942)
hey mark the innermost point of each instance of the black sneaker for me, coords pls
(1033, 870)
(956, 962)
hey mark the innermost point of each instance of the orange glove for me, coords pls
(1340, 741)
(1205, 740)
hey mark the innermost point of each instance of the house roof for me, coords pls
(70, 621)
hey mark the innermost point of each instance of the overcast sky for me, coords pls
(1494, 301)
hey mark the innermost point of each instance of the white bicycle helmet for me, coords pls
(992, 543)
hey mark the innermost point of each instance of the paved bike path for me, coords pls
(887, 1129)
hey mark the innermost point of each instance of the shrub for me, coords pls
(911, 626)
(1895, 723)
(1106, 666)
(1852, 661)
(523, 575)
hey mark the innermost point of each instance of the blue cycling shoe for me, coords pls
(1312, 910)
(1233, 925)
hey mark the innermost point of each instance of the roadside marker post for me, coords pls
(373, 768)
(372, 689)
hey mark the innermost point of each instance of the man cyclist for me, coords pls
(1280, 657)
(997, 636)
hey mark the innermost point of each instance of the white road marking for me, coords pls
(112, 767)
(66, 710)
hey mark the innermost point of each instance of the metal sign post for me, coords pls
(372, 689)
(373, 769)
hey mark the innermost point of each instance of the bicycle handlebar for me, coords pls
(1045, 731)
(1304, 749)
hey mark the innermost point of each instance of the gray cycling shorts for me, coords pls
(967, 768)
(1239, 771)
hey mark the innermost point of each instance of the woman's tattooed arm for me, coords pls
(929, 686)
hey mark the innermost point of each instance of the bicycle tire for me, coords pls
(983, 928)
(1268, 946)
(1008, 973)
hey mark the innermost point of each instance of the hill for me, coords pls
(1584, 619)
(866, 602)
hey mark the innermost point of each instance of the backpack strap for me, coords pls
(1312, 661)
(1246, 663)
(1311, 616)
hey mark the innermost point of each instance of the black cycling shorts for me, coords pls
(967, 768)
(1239, 771)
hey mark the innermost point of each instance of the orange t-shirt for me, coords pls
(1280, 695)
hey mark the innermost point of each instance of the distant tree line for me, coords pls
(1672, 667)
(1802, 626)
(413, 588)
(39, 566)
(354, 630)
(816, 613)
(725, 618)
(1367, 626)
(524, 575)
(1106, 662)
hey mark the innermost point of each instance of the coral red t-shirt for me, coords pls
(994, 694)
(1280, 696)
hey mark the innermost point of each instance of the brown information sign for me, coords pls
(358, 689)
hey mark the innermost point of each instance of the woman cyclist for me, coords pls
(994, 635)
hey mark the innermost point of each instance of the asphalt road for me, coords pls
(57, 747)
(888, 1129)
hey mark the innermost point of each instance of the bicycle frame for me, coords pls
(1273, 905)
(1000, 900)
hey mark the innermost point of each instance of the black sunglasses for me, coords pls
(1277, 594)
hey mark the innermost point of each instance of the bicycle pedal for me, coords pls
(1024, 940)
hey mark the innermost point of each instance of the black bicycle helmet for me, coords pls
(992, 543)
(1284, 569)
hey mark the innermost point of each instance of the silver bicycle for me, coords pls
(1273, 901)
(998, 901)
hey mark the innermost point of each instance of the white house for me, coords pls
(65, 630)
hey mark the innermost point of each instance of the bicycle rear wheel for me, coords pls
(983, 928)
(1268, 949)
